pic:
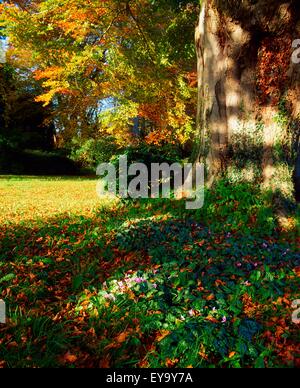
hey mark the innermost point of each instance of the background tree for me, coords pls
(138, 55)
(24, 122)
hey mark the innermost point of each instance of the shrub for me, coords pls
(91, 152)
(147, 154)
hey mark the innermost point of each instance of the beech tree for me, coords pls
(140, 54)
(248, 85)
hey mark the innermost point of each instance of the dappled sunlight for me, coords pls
(147, 283)
(150, 185)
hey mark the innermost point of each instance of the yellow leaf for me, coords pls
(170, 363)
(162, 335)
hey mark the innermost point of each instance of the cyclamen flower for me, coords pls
(127, 280)
(224, 319)
(139, 280)
(110, 297)
(121, 286)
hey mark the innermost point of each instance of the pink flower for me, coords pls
(139, 280)
(121, 286)
(110, 297)
(224, 319)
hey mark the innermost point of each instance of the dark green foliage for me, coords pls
(34, 162)
(89, 153)
(22, 120)
(148, 154)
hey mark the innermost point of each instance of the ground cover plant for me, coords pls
(91, 283)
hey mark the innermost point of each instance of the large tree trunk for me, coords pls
(244, 53)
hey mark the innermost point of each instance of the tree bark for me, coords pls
(237, 43)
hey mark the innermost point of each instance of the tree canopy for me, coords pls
(138, 55)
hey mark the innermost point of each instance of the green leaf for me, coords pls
(77, 282)
(7, 278)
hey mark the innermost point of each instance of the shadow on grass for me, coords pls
(73, 285)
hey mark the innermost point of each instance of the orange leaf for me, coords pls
(105, 362)
(121, 337)
(210, 297)
(68, 357)
(200, 243)
(171, 363)
(162, 335)
(211, 319)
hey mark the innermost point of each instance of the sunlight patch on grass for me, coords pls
(25, 199)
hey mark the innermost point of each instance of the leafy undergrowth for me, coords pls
(150, 284)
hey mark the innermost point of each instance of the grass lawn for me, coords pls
(30, 198)
(94, 283)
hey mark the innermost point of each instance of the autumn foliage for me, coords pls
(85, 52)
